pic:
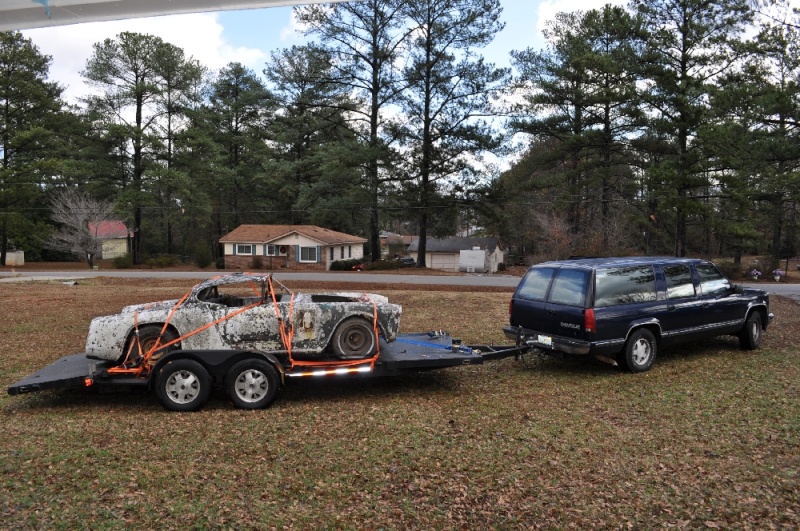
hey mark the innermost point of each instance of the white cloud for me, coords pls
(200, 36)
(549, 8)
(289, 34)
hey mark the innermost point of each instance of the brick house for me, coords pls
(307, 247)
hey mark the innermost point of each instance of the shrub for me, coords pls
(167, 260)
(122, 262)
(731, 270)
(220, 262)
(256, 263)
(345, 265)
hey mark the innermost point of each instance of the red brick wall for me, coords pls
(270, 263)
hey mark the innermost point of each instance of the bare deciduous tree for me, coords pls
(80, 218)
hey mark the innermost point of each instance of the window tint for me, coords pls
(712, 282)
(679, 281)
(534, 285)
(569, 287)
(624, 285)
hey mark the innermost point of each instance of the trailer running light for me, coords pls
(332, 372)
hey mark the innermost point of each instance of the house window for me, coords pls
(349, 251)
(308, 254)
(244, 249)
(331, 253)
(342, 252)
(272, 250)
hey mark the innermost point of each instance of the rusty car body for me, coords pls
(253, 312)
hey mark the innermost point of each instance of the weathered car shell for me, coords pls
(314, 317)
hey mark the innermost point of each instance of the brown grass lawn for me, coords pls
(707, 439)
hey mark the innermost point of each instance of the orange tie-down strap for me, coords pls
(287, 337)
(144, 357)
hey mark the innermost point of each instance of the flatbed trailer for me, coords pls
(183, 379)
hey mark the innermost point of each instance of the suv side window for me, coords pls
(712, 282)
(624, 285)
(534, 285)
(679, 281)
(569, 287)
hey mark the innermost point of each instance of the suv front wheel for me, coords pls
(640, 351)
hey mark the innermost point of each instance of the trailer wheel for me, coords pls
(183, 385)
(252, 384)
(354, 339)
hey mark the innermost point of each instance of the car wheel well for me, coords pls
(654, 329)
(147, 328)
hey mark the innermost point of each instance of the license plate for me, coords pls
(545, 340)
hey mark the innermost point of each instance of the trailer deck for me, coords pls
(409, 353)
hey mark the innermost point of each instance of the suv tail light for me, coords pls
(589, 323)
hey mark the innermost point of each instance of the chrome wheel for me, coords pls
(251, 386)
(640, 351)
(183, 387)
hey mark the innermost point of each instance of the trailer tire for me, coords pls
(252, 384)
(183, 385)
(354, 339)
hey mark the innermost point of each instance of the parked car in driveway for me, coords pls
(246, 311)
(624, 309)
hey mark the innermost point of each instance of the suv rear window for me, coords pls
(534, 285)
(624, 285)
(569, 287)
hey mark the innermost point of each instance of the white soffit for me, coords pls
(27, 14)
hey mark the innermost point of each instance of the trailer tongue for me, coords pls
(182, 379)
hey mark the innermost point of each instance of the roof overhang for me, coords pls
(27, 14)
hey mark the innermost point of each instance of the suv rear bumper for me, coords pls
(538, 340)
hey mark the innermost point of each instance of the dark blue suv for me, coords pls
(623, 309)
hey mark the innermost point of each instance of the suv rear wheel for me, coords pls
(640, 351)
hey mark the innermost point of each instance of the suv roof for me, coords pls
(591, 263)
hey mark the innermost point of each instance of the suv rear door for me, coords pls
(550, 300)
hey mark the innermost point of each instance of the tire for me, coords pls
(148, 335)
(354, 339)
(640, 351)
(183, 385)
(252, 384)
(750, 336)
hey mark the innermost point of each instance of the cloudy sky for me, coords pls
(216, 39)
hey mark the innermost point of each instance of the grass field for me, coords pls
(710, 438)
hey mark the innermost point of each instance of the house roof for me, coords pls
(269, 233)
(109, 230)
(454, 244)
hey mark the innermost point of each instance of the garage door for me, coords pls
(443, 261)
